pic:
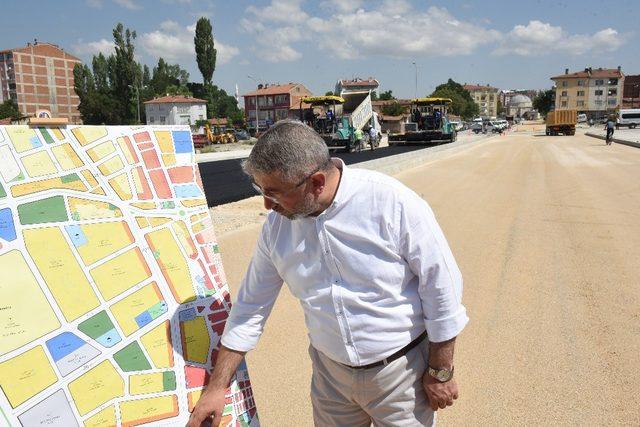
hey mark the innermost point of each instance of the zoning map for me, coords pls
(112, 293)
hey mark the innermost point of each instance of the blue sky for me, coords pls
(508, 44)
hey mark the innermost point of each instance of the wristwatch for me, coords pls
(442, 375)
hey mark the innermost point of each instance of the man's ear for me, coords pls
(318, 182)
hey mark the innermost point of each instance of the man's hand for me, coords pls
(208, 408)
(440, 395)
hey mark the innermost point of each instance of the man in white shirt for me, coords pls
(373, 273)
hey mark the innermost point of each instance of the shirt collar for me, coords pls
(341, 193)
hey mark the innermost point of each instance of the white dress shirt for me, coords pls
(372, 272)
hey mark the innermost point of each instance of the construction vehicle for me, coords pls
(561, 122)
(428, 123)
(321, 114)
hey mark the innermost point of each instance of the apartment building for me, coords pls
(486, 97)
(40, 77)
(175, 110)
(356, 85)
(593, 91)
(273, 102)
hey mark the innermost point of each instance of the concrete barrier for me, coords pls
(616, 140)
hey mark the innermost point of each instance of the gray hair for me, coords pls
(289, 147)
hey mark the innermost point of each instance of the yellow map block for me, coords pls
(142, 411)
(142, 301)
(121, 273)
(120, 185)
(193, 203)
(193, 398)
(195, 339)
(103, 239)
(156, 222)
(173, 264)
(88, 134)
(144, 205)
(125, 149)
(67, 157)
(184, 237)
(91, 180)
(157, 342)
(99, 385)
(26, 375)
(38, 164)
(104, 418)
(83, 209)
(21, 137)
(101, 150)
(142, 221)
(69, 182)
(57, 133)
(146, 383)
(165, 142)
(111, 166)
(169, 160)
(25, 314)
(61, 271)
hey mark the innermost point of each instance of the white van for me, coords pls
(629, 117)
(582, 118)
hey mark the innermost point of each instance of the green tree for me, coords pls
(205, 50)
(219, 102)
(393, 109)
(124, 71)
(374, 95)
(386, 95)
(544, 101)
(9, 109)
(165, 75)
(462, 104)
(328, 93)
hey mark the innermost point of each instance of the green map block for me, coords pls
(72, 177)
(2, 192)
(168, 380)
(51, 209)
(46, 135)
(96, 326)
(131, 358)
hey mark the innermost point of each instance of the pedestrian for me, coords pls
(379, 286)
(610, 127)
(358, 136)
(373, 137)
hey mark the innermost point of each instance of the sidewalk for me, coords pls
(625, 136)
(223, 155)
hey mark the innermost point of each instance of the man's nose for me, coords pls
(268, 203)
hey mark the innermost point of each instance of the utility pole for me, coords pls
(416, 67)
(256, 103)
(137, 98)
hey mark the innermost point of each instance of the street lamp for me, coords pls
(256, 103)
(416, 67)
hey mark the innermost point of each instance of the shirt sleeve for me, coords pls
(258, 292)
(427, 252)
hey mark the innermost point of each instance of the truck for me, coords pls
(428, 123)
(351, 112)
(561, 122)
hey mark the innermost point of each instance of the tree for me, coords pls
(125, 73)
(544, 101)
(462, 104)
(165, 75)
(386, 96)
(219, 102)
(9, 109)
(328, 93)
(205, 50)
(374, 95)
(393, 109)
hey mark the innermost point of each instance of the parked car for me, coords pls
(582, 118)
(242, 135)
(629, 117)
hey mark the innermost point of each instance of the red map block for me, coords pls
(145, 146)
(218, 316)
(146, 190)
(181, 175)
(160, 184)
(196, 377)
(141, 137)
(200, 309)
(151, 160)
(207, 280)
(218, 328)
(216, 306)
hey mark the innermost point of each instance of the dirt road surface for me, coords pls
(546, 231)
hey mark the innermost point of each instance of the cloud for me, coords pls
(394, 28)
(128, 4)
(93, 48)
(538, 38)
(173, 42)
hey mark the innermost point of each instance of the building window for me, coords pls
(564, 93)
(201, 117)
(613, 92)
(281, 114)
(483, 97)
(612, 101)
(613, 82)
(564, 103)
(490, 97)
(599, 92)
(250, 101)
(599, 82)
(599, 102)
(269, 100)
(162, 119)
(580, 104)
(262, 101)
(580, 82)
(564, 83)
(580, 93)
(280, 99)
(152, 119)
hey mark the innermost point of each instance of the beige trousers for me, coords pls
(389, 395)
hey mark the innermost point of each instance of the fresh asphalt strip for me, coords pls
(224, 181)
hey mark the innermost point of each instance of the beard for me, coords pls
(307, 206)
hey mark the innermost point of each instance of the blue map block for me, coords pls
(76, 235)
(143, 319)
(63, 345)
(109, 339)
(186, 315)
(7, 227)
(182, 141)
(35, 142)
(187, 191)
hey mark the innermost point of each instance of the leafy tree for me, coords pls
(219, 102)
(386, 96)
(205, 50)
(393, 109)
(328, 93)
(544, 101)
(462, 104)
(500, 108)
(9, 109)
(125, 73)
(165, 75)
(374, 95)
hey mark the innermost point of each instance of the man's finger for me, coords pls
(442, 404)
(216, 420)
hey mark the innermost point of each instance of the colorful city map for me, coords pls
(112, 293)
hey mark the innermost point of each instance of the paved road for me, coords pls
(224, 181)
(546, 231)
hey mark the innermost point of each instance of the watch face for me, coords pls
(441, 375)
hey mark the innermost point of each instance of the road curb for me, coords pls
(400, 162)
(616, 140)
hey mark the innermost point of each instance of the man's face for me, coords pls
(287, 199)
